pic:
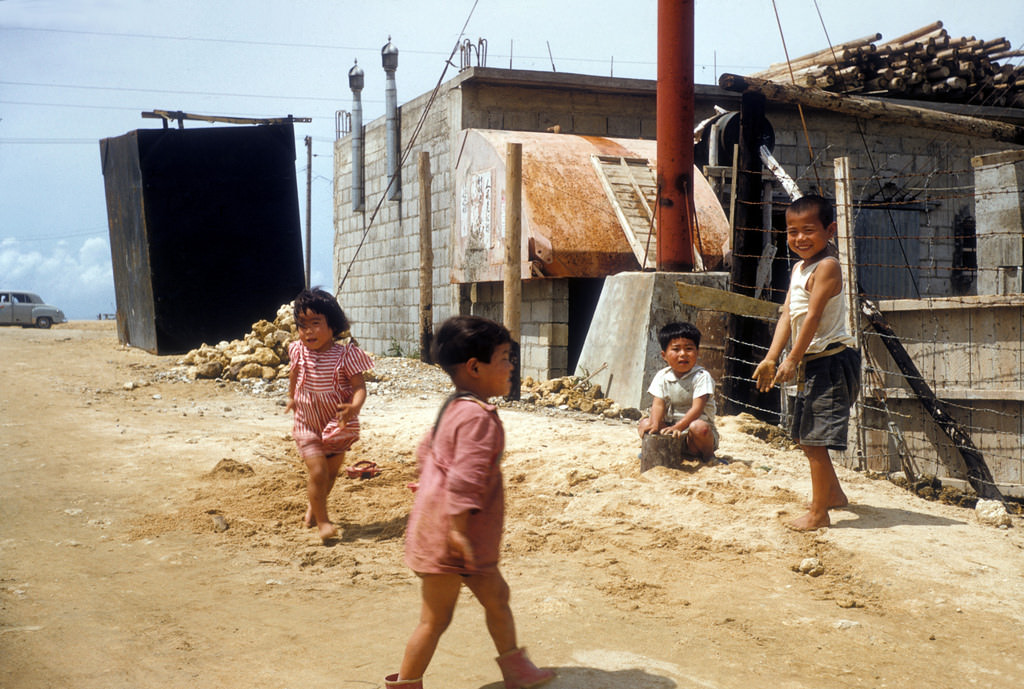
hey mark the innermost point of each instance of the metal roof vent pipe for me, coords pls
(355, 82)
(389, 58)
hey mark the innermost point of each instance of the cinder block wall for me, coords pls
(544, 344)
(381, 294)
(923, 167)
(379, 281)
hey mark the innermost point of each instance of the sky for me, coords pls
(73, 72)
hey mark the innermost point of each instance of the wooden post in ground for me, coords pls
(664, 451)
(845, 238)
(748, 338)
(513, 282)
(426, 261)
(309, 205)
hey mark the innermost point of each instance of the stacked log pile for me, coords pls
(925, 64)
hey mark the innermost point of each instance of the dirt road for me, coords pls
(114, 476)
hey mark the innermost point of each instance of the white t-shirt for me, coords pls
(678, 392)
(831, 327)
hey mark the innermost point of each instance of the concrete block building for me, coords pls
(918, 181)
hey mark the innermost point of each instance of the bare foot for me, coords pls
(810, 522)
(309, 521)
(327, 531)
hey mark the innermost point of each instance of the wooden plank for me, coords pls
(952, 393)
(729, 302)
(936, 303)
(620, 192)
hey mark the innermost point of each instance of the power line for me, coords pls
(48, 238)
(121, 89)
(325, 46)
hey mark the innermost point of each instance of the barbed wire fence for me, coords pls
(916, 245)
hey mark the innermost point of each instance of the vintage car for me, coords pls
(27, 309)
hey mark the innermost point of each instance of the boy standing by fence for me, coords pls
(821, 354)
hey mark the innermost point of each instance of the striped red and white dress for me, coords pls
(323, 381)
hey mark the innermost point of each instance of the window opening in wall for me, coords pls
(965, 256)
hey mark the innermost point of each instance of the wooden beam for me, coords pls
(168, 115)
(871, 109)
(513, 274)
(727, 302)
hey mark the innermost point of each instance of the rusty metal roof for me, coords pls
(570, 227)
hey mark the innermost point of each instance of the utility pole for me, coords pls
(675, 210)
(309, 203)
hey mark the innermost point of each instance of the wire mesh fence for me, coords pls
(938, 250)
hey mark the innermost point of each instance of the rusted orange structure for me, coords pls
(569, 225)
(676, 181)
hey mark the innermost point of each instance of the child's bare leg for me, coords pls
(317, 488)
(334, 463)
(700, 440)
(825, 489)
(492, 592)
(440, 592)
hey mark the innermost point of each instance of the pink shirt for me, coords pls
(459, 471)
(322, 382)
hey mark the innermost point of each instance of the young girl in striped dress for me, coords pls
(326, 391)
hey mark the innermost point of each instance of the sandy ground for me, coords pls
(113, 572)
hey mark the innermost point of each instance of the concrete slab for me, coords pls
(623, 338)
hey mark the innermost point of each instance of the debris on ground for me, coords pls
(931, 488)
(771, 434)
(993, 513)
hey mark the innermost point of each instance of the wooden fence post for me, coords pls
(426, 261)
(846, 240)
(513, 282)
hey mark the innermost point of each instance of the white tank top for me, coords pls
(832, 327)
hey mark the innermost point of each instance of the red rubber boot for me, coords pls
(392, 682)
(519, 672)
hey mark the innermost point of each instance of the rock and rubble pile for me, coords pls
(573, 392)
(262, 357)
(261, 354)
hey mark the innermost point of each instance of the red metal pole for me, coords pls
(675, 135)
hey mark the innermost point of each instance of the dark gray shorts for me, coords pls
(821, 414)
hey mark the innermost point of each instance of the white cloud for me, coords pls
(78, 280)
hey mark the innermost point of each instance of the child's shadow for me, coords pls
(376, 531)
(592, 678)
(871, 517)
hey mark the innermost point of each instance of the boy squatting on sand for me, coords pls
(684, 393)
(821, 355)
